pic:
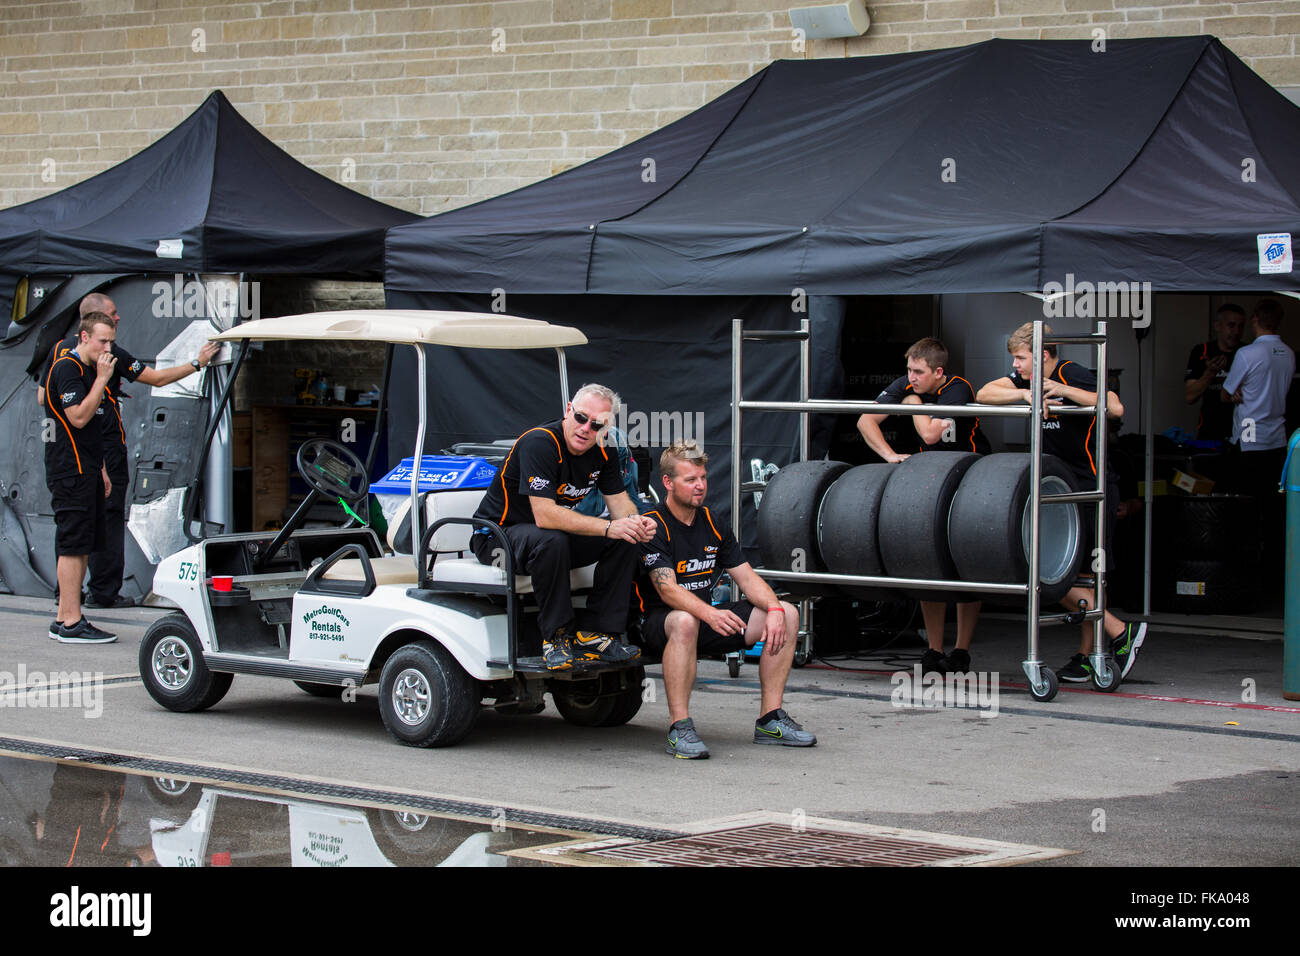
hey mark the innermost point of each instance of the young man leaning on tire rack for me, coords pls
(1072, 438)
(928, 382)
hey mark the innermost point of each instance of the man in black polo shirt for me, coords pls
(1073, 439)
(1207, 367)
(684, 560)
(927, 382)
(74, 468)
(106, 566)
(549, 470)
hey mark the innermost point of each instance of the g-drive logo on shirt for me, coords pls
(537, 484)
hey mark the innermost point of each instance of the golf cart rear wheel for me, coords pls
(593, 703)
(425, 698)
(173, 670)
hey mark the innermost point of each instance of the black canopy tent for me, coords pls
(1001, 166)
(213, 196)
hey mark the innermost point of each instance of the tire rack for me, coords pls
(1042, 680)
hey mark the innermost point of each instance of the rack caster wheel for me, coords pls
(733, 666)
(1107, 686)
(1049, 687)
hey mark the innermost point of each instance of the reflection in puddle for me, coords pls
(65, 814)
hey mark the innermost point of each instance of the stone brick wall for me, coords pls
(433, 106)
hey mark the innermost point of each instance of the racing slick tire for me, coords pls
(988, 525)
(847, 529)
(913, 523)
(787, 522)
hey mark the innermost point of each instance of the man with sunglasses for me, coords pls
(549, 471)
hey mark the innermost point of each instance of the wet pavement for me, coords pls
(1194, 760)
(60, 813)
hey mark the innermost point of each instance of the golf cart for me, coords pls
(331, 609)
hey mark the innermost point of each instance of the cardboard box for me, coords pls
(1192, 483)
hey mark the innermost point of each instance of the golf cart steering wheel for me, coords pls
(333, 470)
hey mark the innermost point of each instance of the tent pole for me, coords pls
(1148, 401)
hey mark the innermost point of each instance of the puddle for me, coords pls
(64, 814)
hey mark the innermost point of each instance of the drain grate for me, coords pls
(778, 845)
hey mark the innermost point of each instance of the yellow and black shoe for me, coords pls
(598, 646)
(558, 651)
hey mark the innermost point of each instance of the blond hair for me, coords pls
(687, 449)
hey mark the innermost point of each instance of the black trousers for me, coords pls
(548, 556)
(105, 568)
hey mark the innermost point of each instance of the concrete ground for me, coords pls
(1194, 761)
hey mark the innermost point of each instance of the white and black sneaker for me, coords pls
(83, 632)
(54, 629)
(1125, 647)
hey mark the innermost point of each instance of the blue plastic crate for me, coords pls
(437, 473)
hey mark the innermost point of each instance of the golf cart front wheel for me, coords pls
(173, 670)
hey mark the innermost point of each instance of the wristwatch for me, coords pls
(195, 363)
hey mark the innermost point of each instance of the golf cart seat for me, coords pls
(455, 564)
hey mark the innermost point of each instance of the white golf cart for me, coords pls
(331, 609)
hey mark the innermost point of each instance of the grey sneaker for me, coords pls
(83, 632)
(55, 626)
(684, 742)
(782, 729)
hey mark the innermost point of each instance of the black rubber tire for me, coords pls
(1048, 692)
(787, 522)
(913, 524)
(986, 525)
(1108, 687)
(1225, 587)
(428, 669)
(609, 700)
(581, 703)
(181, 681)
(409, 839)
(733, 666)
(321, 690)
(628, 702)
(847, 529)
(1206, 528)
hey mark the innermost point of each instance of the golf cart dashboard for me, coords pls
(238, 554)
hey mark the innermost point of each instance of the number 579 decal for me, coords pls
(189, 571)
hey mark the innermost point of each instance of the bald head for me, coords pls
(98, 302)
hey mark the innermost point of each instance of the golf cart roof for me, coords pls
(473, 330)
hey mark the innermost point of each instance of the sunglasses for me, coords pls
(582, 419)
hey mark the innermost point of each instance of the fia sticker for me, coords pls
(1274, 252)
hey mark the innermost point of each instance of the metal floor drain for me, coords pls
(777, 845)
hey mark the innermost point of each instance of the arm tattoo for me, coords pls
(663, 578)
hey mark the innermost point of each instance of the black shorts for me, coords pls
(78, 514)
(709, 641)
